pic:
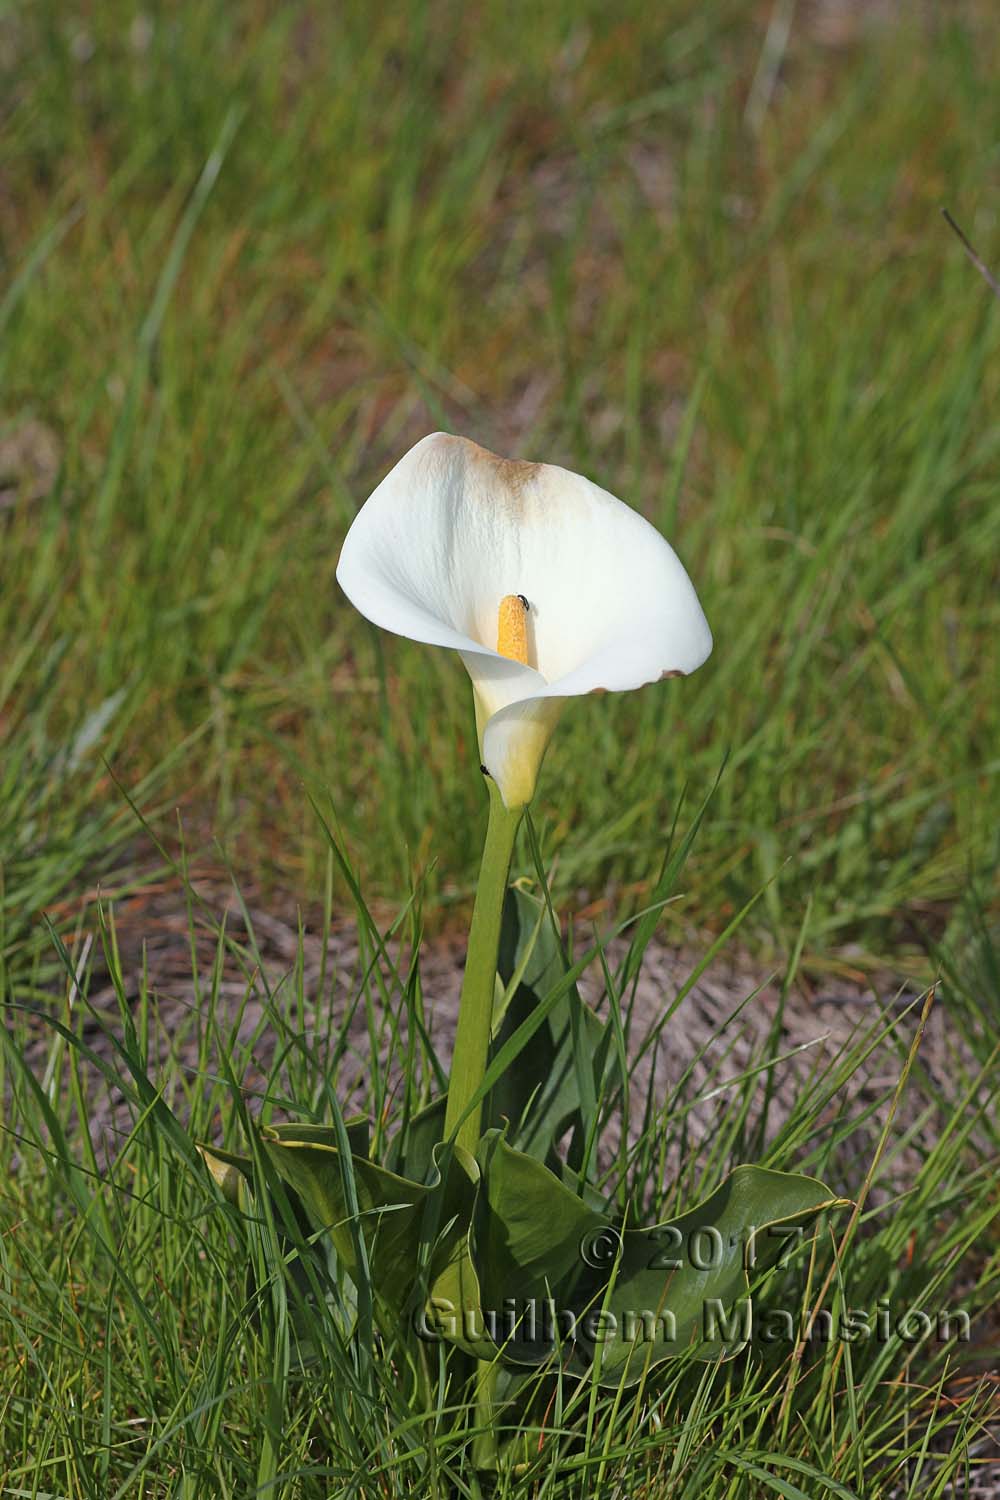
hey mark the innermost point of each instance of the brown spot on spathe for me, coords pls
(514, 474)
(672, 672)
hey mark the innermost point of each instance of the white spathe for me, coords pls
(452, 529)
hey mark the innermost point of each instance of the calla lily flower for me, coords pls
(546, 585)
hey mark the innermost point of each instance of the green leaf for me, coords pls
(390, 1209)
(581, 1188)
(414, 1234)
(228, 1171)
(227, 1167)
(454, 1303)
(520, 1244)
(528, 1234)
(411, 1150)
(683, 1286)
(358, 1134)
(307, 1262)
(571, 1061)
(519, 1267)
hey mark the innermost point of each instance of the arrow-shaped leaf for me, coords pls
(683, 1286)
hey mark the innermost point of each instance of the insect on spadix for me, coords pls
(512, 628)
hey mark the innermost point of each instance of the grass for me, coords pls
(135, 1362)
(250, 253)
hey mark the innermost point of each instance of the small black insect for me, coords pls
(485, 772)
(524, 601)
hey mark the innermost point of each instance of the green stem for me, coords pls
(484, 1445)
(475, 1011)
